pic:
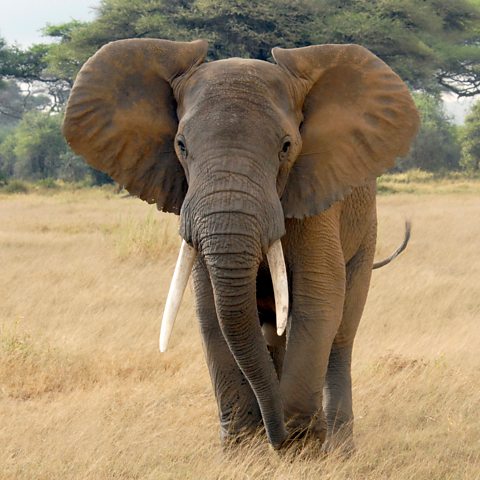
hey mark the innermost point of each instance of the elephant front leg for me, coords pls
(318, 287)
(238, 409)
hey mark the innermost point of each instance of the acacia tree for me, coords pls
(249, 29)
(233, 28)
(433, 44)
(14, 102)
(31, 67)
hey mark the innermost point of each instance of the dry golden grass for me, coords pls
(86, 395)
(425, 183)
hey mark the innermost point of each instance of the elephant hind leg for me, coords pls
(338, 399)
(338, 385)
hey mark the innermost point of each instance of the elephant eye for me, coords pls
(182, 148)
(286, 144)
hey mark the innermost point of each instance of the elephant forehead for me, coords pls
(238, 78)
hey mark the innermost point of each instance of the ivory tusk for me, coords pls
(182, 272)
(278, 272)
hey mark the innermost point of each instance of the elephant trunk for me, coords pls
(233, 271)
(232, 220)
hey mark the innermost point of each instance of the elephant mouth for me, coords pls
(183, 269)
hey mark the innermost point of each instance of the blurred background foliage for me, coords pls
(434, 45)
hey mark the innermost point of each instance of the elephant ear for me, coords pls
(358, 118)
(121, 115)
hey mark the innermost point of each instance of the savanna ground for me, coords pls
(85, 393)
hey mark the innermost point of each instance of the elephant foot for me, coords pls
(344, 449)
(341, 441)
(306, 431)
(233, 437)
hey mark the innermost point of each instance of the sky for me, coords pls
(458, 108)
(22, 20)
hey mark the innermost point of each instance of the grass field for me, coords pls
(85, 394)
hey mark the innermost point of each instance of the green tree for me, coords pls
(470, 137)
(73, 168)
(30, 66)
(249, 29)
(34, 147)
(433, 44)
(14, 103)
(436, 147)
(10, 103)
(39, 145)
(7, 155)
(232, 27)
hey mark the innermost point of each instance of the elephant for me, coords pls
(271, 167)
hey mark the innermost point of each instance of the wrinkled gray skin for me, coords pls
(239, 139)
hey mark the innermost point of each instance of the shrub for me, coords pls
(48, 182)
(15, 186)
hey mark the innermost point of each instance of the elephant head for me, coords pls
(236, 146)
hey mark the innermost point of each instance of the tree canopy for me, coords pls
(471, 140)
(432, 44)
(31, 66)
(14, 103)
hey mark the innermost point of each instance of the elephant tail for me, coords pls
(399, 250)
